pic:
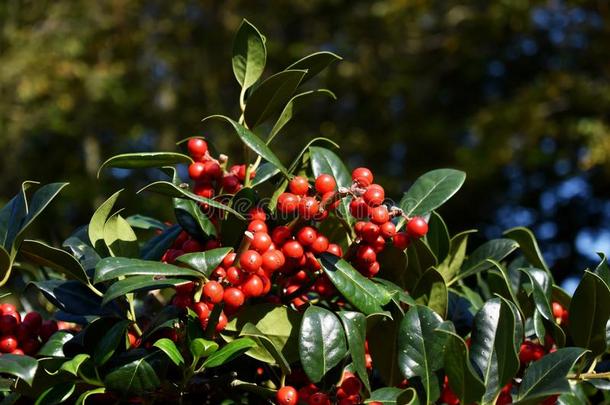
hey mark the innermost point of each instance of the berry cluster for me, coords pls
(23, 337)
(347, 392)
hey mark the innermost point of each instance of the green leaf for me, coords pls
(168, 317)
(421, 348)
(325, 161)
(398, 294)
(23, 367)
(361, 292)
(252, 141)
(192, 219)
(438, 236)
(265, 343)
(272, 94)
(107, 346)
(547, 376)
(54, 347)
(78, 245)
(382, 337)
(264, 172)
(589, 312)
(451, 265)
(144, 222)
(529, 246)
(138, 283)
(136, 377)
(278, 323)
(142, 160)
(73, 365)
(172, 190)
(393, 396)
(498, 282)
(432, 291)
(71, 296)
(463, 379)
(98, 221)
(495, 249)
(393, 263)
(294, 105)
(229, 352)
(11, 216)
(602, 269)
(115, 267)
(58, 394)
(321, 342)
(493, 350)
(419, 259)
(56, 259)
(168, 347)
(120, 239)
(5, 261)
(315, 63)
(200, 347)
(83, 397)
(431, 190)
(156, 247)
(249, 54)
(354, 324)
(205, 262)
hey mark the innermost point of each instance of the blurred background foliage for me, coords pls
(514, 92)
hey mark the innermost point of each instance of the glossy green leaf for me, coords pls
(5, 261)
(192, 219)
(82, 399)
(135, 377)
(73, 365)
(72, 297)
(168, 317)
(115, 267)
(393, 264)
(230, 351)
(589, 312)
(398, 294)
(249, 54)
(354, 324)
(419, 259)
(438, 236)
(264, 172)
(11, 216)
(172, 190)
(142, 160)
(138, 283)
(143, 222)
(154, 248)
(78, 245)
(431, 190)
(23, 367)
(98, 220)
(58, 394)
(529, 246)
(450, 266)
(393, 396)
(382, 336)
(547, 376)
(498, 282)
(200, 347)
(271, 95)
(361, 292)
(54, 347)
(602, 269)
(168, 347)
(493, 350)
(421, 349)
(265, 343)
(120, 239)
(252, 141)
(495, 249)
(110, 342)
(321, 342)
(56, 259)
(205, 262)
(432, 291)
(463, 379)
(294, 105)
(315, 63)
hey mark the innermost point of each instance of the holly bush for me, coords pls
(289, 284)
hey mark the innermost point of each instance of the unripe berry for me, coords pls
(287, 396)
(213, 292)
(325, 183)
(374, 195)
(417, 227)
(362, 176)
(299, 185)
(250, 261)
(197, 147)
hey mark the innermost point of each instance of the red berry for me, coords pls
(191, 246)
(335, 249)
(250, 261)
(30, 346)
(253, 286)
(557, 310)
(299, 185)
(387, 229)
(230, 184)
(266, 283)
(47, 329)
(379, 244)
(370, 232)
(272, 260)
(8, 344)
(197, 171)
(212, 170)
(257, 226)
(287, 396)
(366, 254)
(185, 289)
(320, 245)
(358, 208)
(351, 385)
(359, 227)
(229, 260)
(18, 352)
(308, 207)
(7, 309)
(222, 322)
(373, 269)
(326, 201)
(379, 215)
(233, 297)
(306, 235)
(234, 275)
(401, 240)
(213, 291)
(280, 234)
(325, 183)
(374, 195)
(261, 241)
(8, 324)
(319, 398)
(257, 213)
(362, 176)
(202, 310)
(182, 301)
(417, 227)
(197, 147)
(293, 249)
(132, 339)
(219, 273)
(287, 203)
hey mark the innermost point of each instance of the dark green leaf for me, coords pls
(156, 247)
(421, 349)
(393, 264)
(229, 352)
(382, 337)
(589, 312)
(252, 141)
(83, 397)
(393, 396)
(354, 324)
(120, 239)
(602, 269)
(361, 292)
(200, 347)
(72, 297)
(79, 245)
(11, 216)
(315, 63)
(272, 94)
(57, 394)
(144, 222)
(192, 219)
(451, 265)
(529, 246)
(57, 259)
(54, 347)
(142, 160)
(115, 267)
(205, 262)
(23, 367)
(264, 343)
(168, 347)
(5, 261)
(73, 365)
(547, 376)
(98, 220)
(138, 283)
(249, 54)
(136, 377)
(432, 291)
(264, 172)
(495, 249)
(108, 345)
(419, 259)
(438, 236)
(321, 342)
(168, 317)
(431, 190)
